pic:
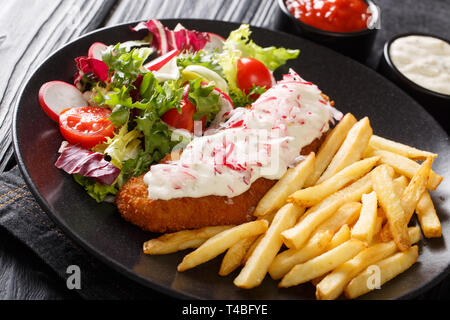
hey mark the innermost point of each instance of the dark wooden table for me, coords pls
(31, 29)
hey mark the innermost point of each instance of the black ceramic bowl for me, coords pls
(356, 45)
(436, 103)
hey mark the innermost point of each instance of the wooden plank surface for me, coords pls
(255, 12)
(33, 29)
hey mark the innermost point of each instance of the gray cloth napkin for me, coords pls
(22, 216)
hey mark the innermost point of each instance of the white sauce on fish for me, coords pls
(423, 60)
(261, 141)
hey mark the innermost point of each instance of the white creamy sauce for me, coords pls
(424, 60)
(261, 141)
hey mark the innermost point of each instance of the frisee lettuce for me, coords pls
(201, 58)
(205, 100)
(124, 145)
(124, 65)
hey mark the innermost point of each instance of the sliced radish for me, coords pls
(169, 71)
(215, 43)
(226, 105)
(56, 96)
(159, 62)
(226, 97)
(96, 49)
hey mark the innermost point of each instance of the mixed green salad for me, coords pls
(133, 102)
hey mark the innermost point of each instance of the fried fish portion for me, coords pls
(190, 213)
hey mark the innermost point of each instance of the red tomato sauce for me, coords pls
(331, 15)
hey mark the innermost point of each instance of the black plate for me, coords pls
(101, 230)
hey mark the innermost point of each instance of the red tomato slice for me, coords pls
(87, 126)
(252, 72)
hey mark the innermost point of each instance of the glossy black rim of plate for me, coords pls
(197, 24)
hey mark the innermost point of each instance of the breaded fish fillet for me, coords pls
(189, 213)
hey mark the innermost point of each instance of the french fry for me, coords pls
(378, 227)
(339, 237)
(296, 236)
(381, 214)
(416, 187)
(234, 256)
(313, 195)
(287, 259)
(412, 194)
(385, 233)
(269, 219)
(332, 286)
(400, 185)
(317, 280)
(390, 202)
(330, 146)
(322, 264)
(251, 249)
(292, 180)
(429, 221)
(405, 166)
(351, 150)
(377, 142)
(181, 240)
(365, 226)
(346, 214)
(257, 265)
(221, 242)
(388, 268)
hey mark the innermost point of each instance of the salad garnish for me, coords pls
(143, 98)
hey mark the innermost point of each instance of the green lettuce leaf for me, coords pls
(240, 99)
(204, 99)
(272, 57)
(95, 189)
(158, 137)
(137, 166)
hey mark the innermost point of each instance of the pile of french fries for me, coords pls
(328, 221)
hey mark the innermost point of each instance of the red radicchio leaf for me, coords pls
(77, 160)
(97, 67)
(135, 93)
(165, 40)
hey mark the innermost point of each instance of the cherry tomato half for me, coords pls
(252, 72)
(185, 119)
(87, 126)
